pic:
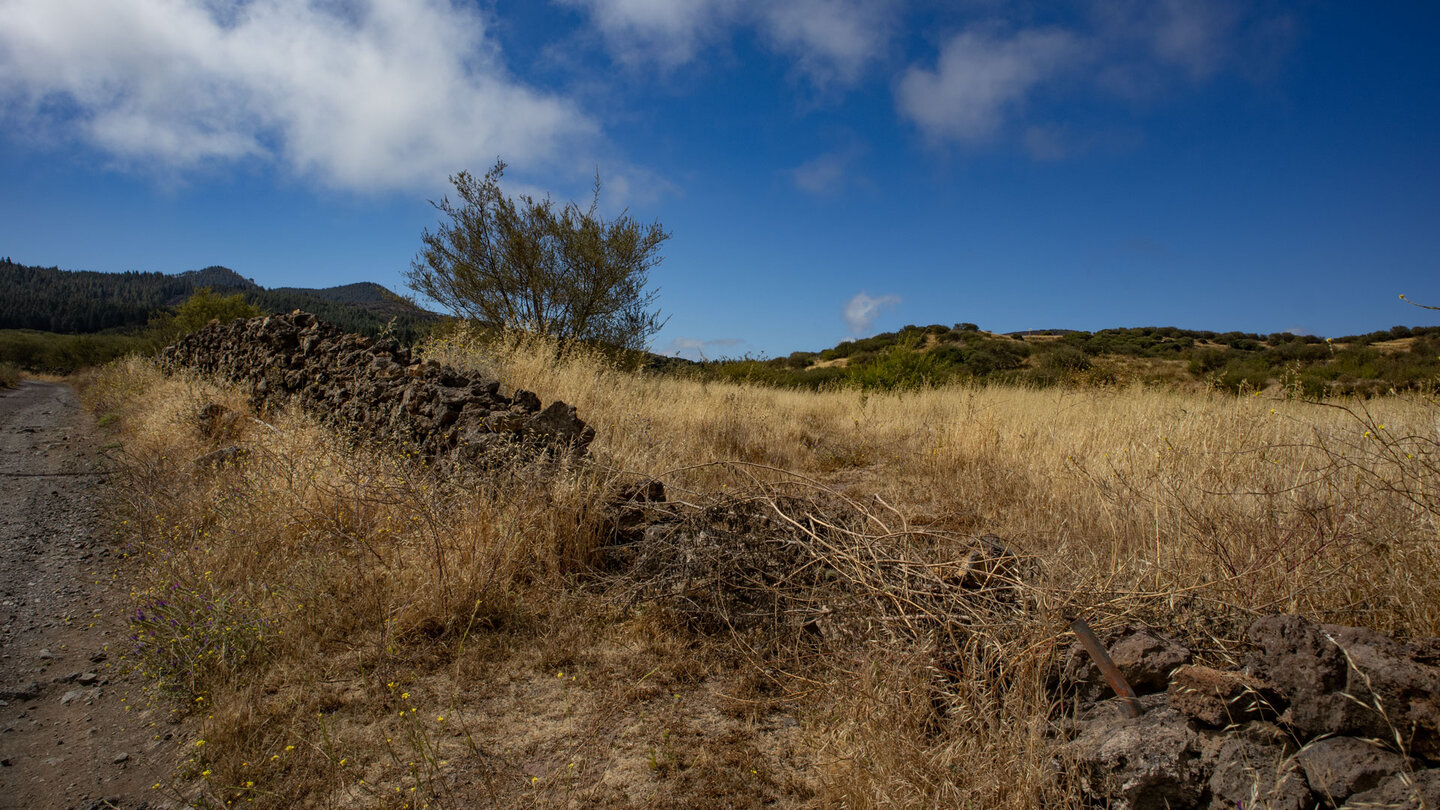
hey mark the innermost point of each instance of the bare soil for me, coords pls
(74, 729)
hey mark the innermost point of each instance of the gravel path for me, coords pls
(66, 737)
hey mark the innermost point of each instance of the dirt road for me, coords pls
(66, 737)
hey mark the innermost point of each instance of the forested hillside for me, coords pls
(49, 299)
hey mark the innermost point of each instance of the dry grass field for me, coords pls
(337, 626)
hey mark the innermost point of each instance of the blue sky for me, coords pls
(828, 168)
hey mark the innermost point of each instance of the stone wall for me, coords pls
(377, 388)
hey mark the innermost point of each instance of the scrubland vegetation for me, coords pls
(340, 626)
(1401, 358)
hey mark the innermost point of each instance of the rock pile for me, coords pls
(1319, 716)
(377, 388)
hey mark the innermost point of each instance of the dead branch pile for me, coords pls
(790, 562)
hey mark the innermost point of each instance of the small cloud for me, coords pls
(1298, 331)
(862, 310)
(828, 173)
(640, 32)
(680, 345)
(831, 40)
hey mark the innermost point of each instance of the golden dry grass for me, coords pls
(388, 597)
(1262, 502)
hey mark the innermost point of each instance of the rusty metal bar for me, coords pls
(1111, 672)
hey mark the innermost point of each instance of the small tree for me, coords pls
(521, 262)
(203, 306)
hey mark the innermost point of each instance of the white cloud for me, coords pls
(1138, 49)
(369, 94)
(827, 173)
(830, 40)
(862, 310)
(663, 32)
(979, 79)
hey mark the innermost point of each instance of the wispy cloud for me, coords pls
(831, 41)
(983, 77)
(1197, 36)
(1046, 143)
(979, 78)
(683, 345)
(364, 95)
(657, 32)
(827, 173)
(862, 310)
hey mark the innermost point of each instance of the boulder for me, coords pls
(1350, 681)
(1152, 762)
(1403, 791)
(1249, 775)
(1339, 767)
(1220, 698)
(1145, 657)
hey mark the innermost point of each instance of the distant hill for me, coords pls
(1401, 358)
(86, 302)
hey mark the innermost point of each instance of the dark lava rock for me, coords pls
(1251, 775)
(1152, 762)
(1350, 681)
(1145, 657)
(1220, 698)
(374, 389)
(1338, 767)
(1403, 791)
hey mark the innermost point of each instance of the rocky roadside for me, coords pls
(74, 729)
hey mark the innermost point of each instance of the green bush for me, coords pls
(197, 311)
(1245, 374)
(1060, 357)
(9, 375)
(899, 368)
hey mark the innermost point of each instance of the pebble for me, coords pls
(121, 757)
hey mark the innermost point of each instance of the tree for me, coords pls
(197, 311)
(524, 263)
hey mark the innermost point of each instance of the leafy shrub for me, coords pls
(197, 311)
(899, 368)
(800, 359)
(1064, 358)
(1205, 361)
(9, 375)
(1245, 374)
